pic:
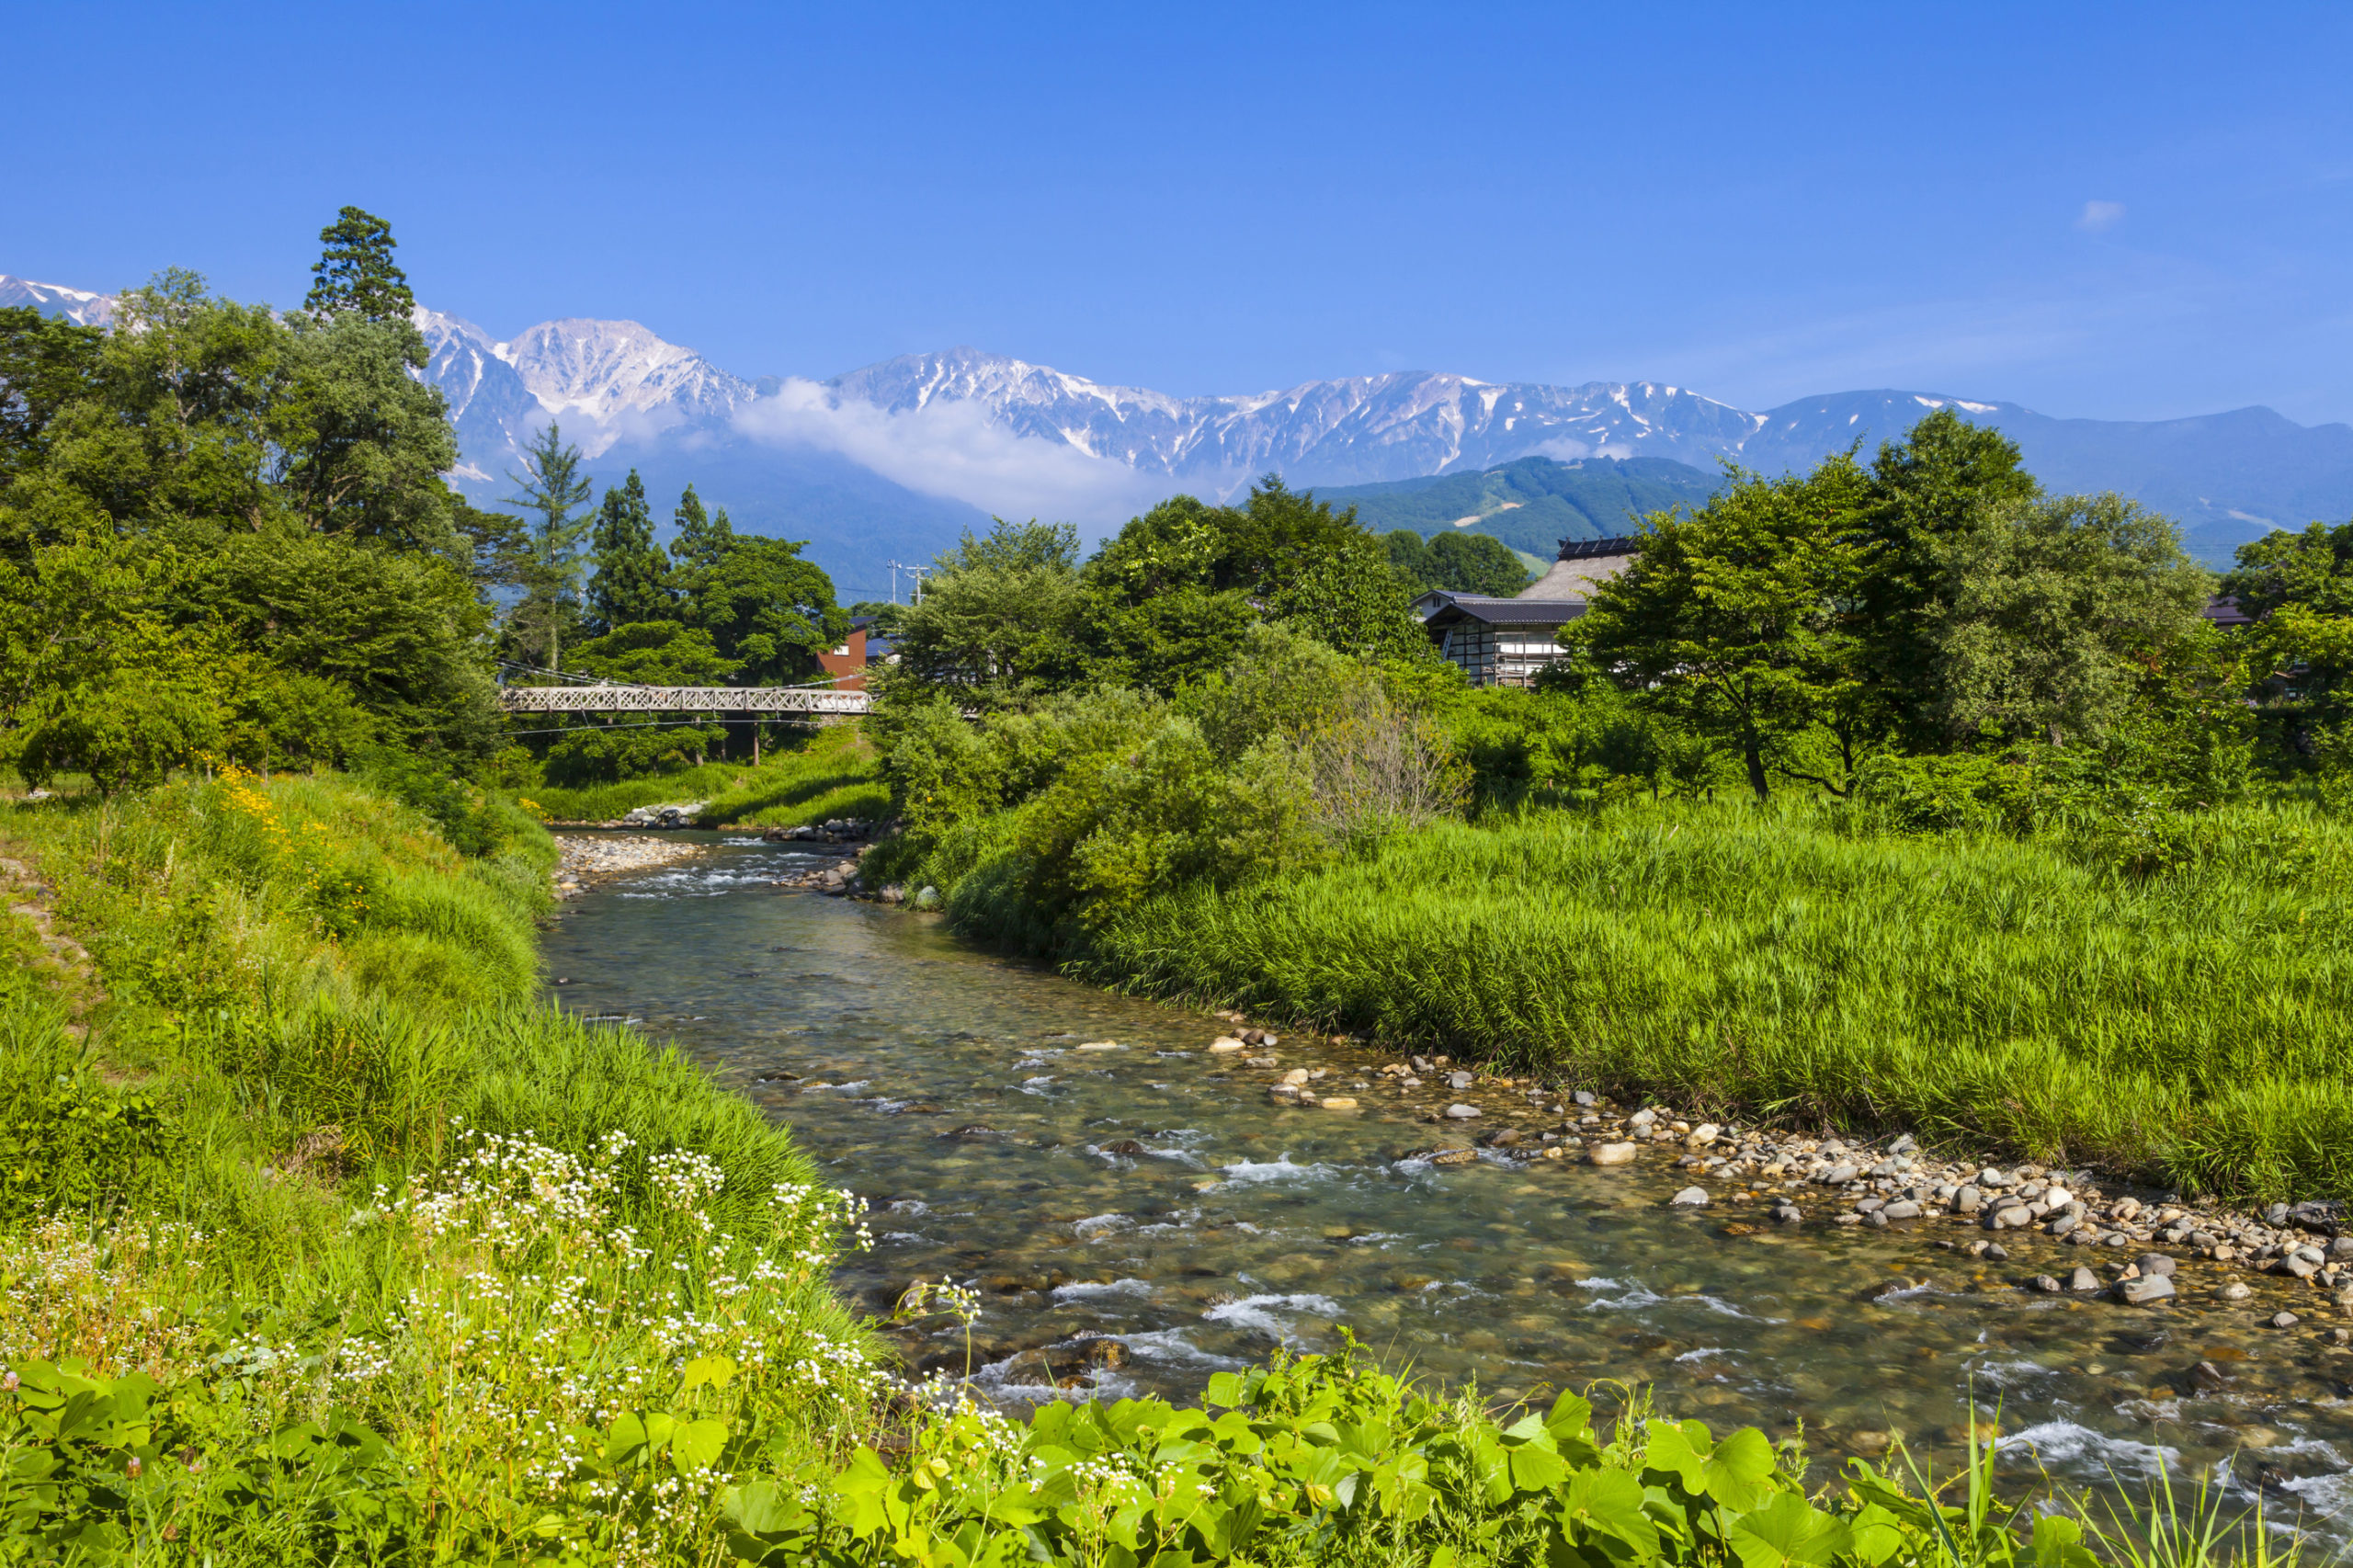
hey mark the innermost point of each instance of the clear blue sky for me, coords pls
(2107, 210)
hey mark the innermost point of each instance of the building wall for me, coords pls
(850, 659)
(1499, 656)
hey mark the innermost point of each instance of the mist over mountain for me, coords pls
(890, 461)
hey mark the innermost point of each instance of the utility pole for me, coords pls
(914, 571)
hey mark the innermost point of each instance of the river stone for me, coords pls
(1643, 1118)
(1704, 1134)
(2238, 1290)
(1224, 1045)
(1127, 1148)
(1106, 1353)
(1295, 1077)
(926, 898)
(2147, 1289)
(2083, 1280)
(1339, 1102)
(1587, 1097)
(1789, 1214)
(1610, 1154)
(1689, 1198)
(1463, 1112)
(1901, 1208)
(2207, 1376)
(2285, 1320)
(1968, 1201)
(2047, 1284)
(1459, 1081)
(2302, 1267)
(1452, 1156)
(2155, 1263)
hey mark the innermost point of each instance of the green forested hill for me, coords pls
(1533, 503)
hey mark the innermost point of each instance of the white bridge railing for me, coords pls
(679, 699)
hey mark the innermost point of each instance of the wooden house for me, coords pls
(1504, 642)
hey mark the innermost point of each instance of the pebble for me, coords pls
(1338, 1102)
(2083, 1280)
(2285, 1320)
(2047, 1284)
(1463, 1112)
(1225, 1046)
(2154, 1263)
(2148, 1288)
(1610, 1154)
(580, 858)
(2236, 1290)
(1689, 1198)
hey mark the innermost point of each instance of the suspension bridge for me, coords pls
(616, 698)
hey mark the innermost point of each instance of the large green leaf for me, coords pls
(1732, 1472)
(695, 1445)
(1608, 1503)
(1788, 1532)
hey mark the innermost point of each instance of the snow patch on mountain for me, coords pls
(77, 305)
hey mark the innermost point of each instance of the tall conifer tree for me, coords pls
(552, 486)
(357, 273)
(632, 581)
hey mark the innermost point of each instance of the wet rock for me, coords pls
(2207, 1377)
(1968, 1201)
(1995, 1251)
(1789, 1214)
(1338, 1102)
(1503, 1138)
(1106, 1353)
(1901, 1208)
(1610, 1154)
(1587, 1097)
(2083, 1280)
(1643, 1118)
(2285, 1320)
(1463, 1112)
(2236, 1290)
(2047, 1284)
(1225, 1045)
(1451, 1156)
(1127, 1148)
(2154, 1263)
(1838, 1175)
(1689, 1198)
(926, 899)
(2147, 1291)
(1459, 1082)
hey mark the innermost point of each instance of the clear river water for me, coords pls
(1153, 1195)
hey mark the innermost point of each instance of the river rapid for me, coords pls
(1136, 1217)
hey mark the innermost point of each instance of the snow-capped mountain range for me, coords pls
(891, 460)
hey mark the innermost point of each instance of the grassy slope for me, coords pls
(831, 774)
(2193, 1027)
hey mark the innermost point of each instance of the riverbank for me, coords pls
(2185, 1029)
(829, 771)
(329, 1197)
(582, 860)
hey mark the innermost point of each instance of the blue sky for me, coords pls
(2123, 212)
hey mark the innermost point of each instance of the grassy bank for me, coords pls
(333, 1241)
(830, 773)
(2190, 1025)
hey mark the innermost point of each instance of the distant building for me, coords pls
(1498, 642)
(848, 660)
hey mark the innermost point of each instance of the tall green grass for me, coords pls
(833, 773)
(2192, 1027)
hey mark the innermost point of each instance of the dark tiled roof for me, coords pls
(1588, 549)
(1455, 608)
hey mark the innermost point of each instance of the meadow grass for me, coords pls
(2191, 1027)
(832, 772)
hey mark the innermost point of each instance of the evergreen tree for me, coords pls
(551, 487)
(632, 581)
(357, 272)
(699, 541)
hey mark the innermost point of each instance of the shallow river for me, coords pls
(946, 1087)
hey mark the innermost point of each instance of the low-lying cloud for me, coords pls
(954, 449)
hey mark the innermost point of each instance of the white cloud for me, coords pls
(953, 448)
(2100, 217)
